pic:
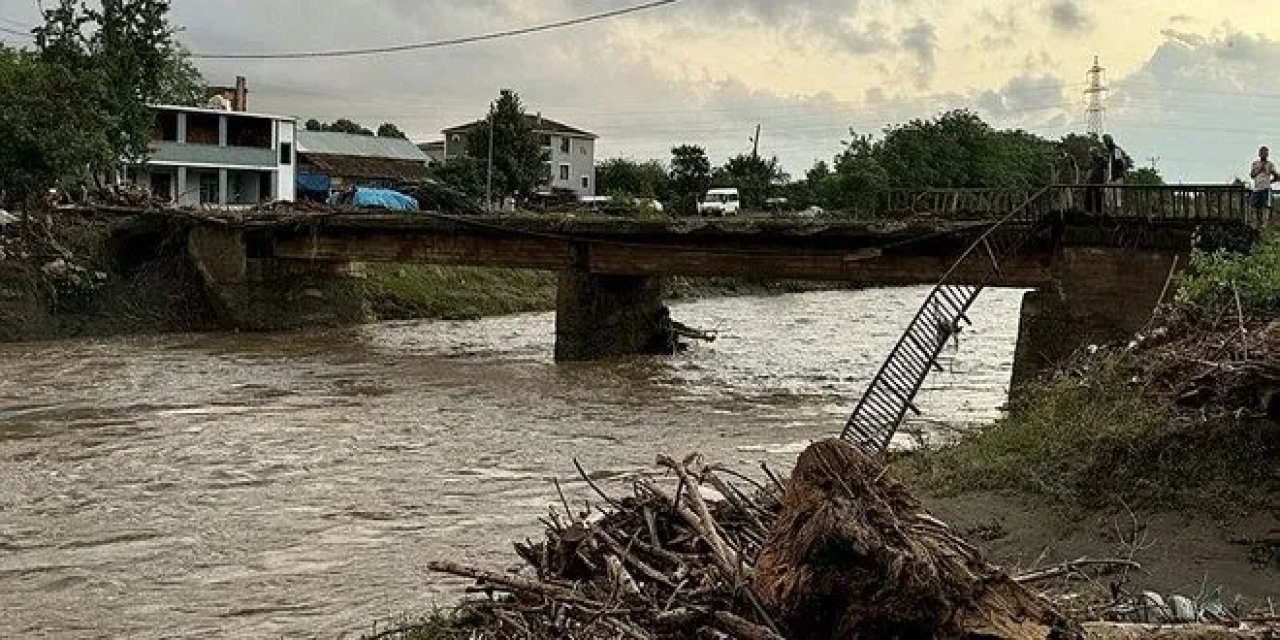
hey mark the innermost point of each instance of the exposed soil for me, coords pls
(1180, 553)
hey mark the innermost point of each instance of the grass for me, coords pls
(411, 291)
(1096, 440)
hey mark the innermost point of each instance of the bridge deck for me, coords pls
(888, 254)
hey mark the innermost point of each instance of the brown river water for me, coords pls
(296, 485)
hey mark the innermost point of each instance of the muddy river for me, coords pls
(296, 485)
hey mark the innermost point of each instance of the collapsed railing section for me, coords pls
(892, 391)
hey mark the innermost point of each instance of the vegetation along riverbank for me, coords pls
(1140, 483)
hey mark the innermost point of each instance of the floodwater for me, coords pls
(297, 485)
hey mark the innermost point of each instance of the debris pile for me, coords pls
(662, 562)
(1234, 367)
(845, 551)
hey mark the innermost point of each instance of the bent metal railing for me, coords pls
(893, 390)
(891, 393)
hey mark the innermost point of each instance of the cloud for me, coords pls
(1203, 102)
(1067, 16)
(921, 41)
(1001, 30)
(1022, 96)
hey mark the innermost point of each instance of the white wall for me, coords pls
(286, 180)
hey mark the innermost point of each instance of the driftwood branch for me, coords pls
(1074, 567)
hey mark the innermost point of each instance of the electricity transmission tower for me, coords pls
(1096, 112)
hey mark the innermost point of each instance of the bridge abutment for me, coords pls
(1097, 295)
(604, 316)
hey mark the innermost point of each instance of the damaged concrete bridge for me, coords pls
(1094, 276)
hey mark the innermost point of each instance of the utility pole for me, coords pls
(755, 144)
(1154, 160)
(1096, 89)
(488, 181)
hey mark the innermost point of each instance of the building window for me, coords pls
(166, 127)
(582, 149)
(586, 182)
(564, 172)
(209, 190)
(546, 172)
(202, 128)
(546, 141)
(286, 153)
(564, 144)
(249, 132)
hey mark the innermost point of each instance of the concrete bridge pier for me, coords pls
(255, 291)
(604, 316)
(1097, 295)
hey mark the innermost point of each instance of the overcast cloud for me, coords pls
(1189, 87)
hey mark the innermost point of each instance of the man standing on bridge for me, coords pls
(1263, 173)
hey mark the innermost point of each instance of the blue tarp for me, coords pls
(315, 182)
(388, 199)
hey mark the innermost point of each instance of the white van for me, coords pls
(720, 202)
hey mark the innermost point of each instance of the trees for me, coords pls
(341, 125)
(388, 130)
(78, 103)
(690, 176)
(126, 51)
(634, 179)
(519, 162)
(752, 175)
(51, 127)
(1146, 176)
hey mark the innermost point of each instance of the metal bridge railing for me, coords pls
(892, 392)
(1146, 202)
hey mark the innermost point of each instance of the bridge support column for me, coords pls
(601, 316)
(1097, 296)
(254, 291)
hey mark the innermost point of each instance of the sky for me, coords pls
(1194, 85)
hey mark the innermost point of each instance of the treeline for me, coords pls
(346, 125)
(75, 104)
(955, 150)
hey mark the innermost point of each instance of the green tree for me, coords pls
(341, 125)
(858, 181)
(464, 174)
(519, 167)
(77, 104)
(1146, 176)
(127, 52)
(51, 127)
(753, 176)
(633, 179)
(690, 176)
(388, 130)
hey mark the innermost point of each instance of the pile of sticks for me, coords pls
(673, 559)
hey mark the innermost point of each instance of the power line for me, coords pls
(15, 32)
(435, 44)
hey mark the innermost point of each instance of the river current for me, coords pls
(296, 485)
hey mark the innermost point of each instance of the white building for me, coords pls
(569, 153)
(218, 157)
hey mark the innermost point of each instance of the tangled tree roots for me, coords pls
(852, 555)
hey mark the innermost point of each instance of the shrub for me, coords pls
(1209, 289)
